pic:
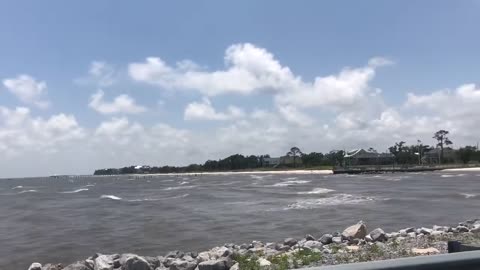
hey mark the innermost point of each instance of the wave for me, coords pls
(258, 177)
(27, 191)
(317, 191)
(452, 175)
(179, 187)
(339, 199)
(468, 195)
(184, 182)
(17, 187)
(75, 191)
(89, 185)
(111, 197)
(158, 199)
(291, 183)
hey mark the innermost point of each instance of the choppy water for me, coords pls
(63, 220)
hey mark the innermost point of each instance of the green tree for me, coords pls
(294, 152)
(466, 153)
(442, 140)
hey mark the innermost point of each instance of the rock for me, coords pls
(394, 235)
(135, 263)
(426, 231)
(312, 244)
(78, 266)
(411, 234)
(353, 248)
(154, 262)
(49, 266)
(337, 240)
(213, 265)
(203, 256)
(283, 248)
(236, 266)
(174, 254)
(180, 264)
(368, 238)
(35, 266)
(475, 229)
(103, 262)
(440, 228)
(358, 230)
(407, 230)
(290, 242)
(223, 252)
(425, 251)
(462, 229)
(264, 264)
(378, 235)
(326, 239)
(437, 233)
(309, 237)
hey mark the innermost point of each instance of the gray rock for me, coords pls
(411, 234)
(35, 266)
(368, 238)
(264, 264)
(103, 262)
(236, 266)
(283, 248)
(358, 230)
(290, 242)
(49, 266)
(223, 252)
(475, 229)
(203, 256)
(394, 235)
(213, 265)
(135, 263)
(78, 266)
(337, 239)
(174, 254)
(180, 264)
(326, 239)
(312, 244)
(378, 235)
(407, 230)
(462, 229)
(154, 262)
(426, 231)
(437, 233)
(309, 237)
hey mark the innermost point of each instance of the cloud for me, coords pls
(204, 111)
(20, 132)
(247, 69)
(28, 90)
(121, 104)
(100, 74)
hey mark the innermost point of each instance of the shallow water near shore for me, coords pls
(67, 219)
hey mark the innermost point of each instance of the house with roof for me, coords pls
(360, 157)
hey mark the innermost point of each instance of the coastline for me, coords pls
(354, 244)
(469, 169)
(303, 171)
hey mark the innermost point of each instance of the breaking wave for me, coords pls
(317, 191)
(291, 183)
(75, 191)
(17, 187)
(339, 199)
(179, 187)
(468, 195)
(111, 197)
(28, 191)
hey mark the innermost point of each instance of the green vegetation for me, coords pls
(299, 258)
(247, 262)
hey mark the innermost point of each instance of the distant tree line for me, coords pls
(403, 154)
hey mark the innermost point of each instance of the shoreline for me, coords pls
(354, 244)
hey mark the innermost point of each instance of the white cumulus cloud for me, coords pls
(121, 104)
(205, 111)
(28, 90)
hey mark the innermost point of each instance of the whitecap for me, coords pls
(447, 175)
(258, 177)
(291, 183)
(339, 199)
(468, 195)
(184, 182)
(89, 185)
(75, 191)
(27, 191)
(158, 199)
(179, 187)
(317, 191)
(17, 187)
(111, 197)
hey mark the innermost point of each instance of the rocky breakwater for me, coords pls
(354, 244)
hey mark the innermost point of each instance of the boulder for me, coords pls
(180, 264)
(378, 235)
(103, 262)
(337, 240)
(80, 265)
(462, 229)
(358, 230)
(411, 234)
(437, 233)
(49, 266)
(213, 265)
(35, 266)
(475, 229)
(203, 256)
(425, 251)
(283, 248)
(290, 242)
(264, 264)
(426, 231)
(174, 254)
(368, 238)
(221, 252)
(394, 235)
(309, 237)
(135, 263)
(236, 266)
(312, 244)
(154, 262)
(326, 239)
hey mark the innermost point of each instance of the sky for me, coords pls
(96, 84)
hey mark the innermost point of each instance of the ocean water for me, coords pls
(68, 219)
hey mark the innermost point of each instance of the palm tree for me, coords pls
(294, 152)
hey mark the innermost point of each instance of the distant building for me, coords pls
(363, 157)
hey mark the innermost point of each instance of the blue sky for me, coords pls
(428, 49)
